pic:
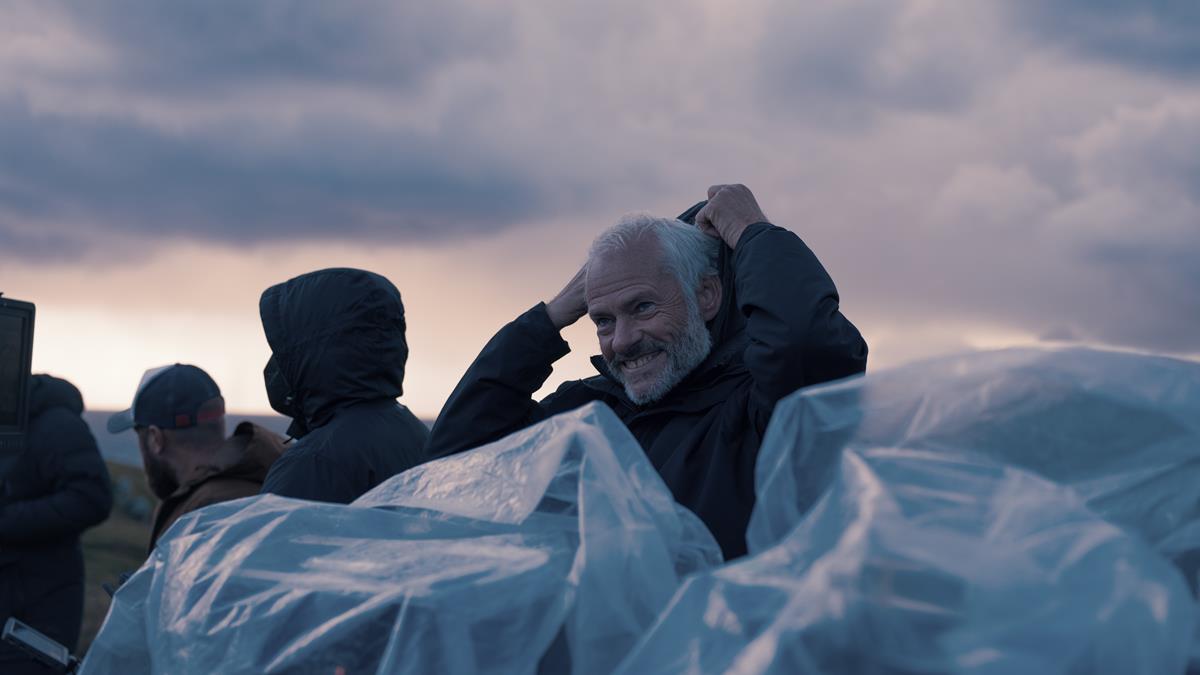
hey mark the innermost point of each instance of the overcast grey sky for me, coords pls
(972, 173)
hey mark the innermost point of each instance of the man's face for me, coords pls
(649, 334)
(159, 474)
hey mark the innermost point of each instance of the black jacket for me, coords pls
(780, 329)
(337, 339)
(60, 485)
(58, 488)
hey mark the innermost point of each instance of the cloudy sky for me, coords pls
(972, 174)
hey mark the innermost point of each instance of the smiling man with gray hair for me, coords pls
(703, 328)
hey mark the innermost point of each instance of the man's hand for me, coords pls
(570, 303)
(729, 211)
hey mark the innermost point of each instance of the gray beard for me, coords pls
(683, 356)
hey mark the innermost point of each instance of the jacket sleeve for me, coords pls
(81, 494)
(495, 396)
(797, 334)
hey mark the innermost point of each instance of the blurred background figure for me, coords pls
(58, 489)
(178, 414)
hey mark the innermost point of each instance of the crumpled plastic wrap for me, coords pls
(1007, 512)
(1122, 430)
(554, 549)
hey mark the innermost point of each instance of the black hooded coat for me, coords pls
(56, 490)
(337, 368)
(779, 329)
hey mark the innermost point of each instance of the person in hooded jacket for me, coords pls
(702, 327)
(57, 489)
(337, 367)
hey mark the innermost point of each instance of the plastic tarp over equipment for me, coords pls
(554, 548)
(1005, 512)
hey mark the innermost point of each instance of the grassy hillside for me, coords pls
(115, 546)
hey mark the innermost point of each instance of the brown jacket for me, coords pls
(258, 448)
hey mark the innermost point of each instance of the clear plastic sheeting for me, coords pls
(1008, 512)
(553, 549)
(1122, 430)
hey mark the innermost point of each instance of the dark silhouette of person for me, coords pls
(338, 352)
(57, 489)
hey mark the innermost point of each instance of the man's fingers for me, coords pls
(704, 221)
(713, 190)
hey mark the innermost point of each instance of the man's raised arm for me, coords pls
(495, 396)
(798, 336)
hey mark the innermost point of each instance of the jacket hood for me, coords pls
(337, 336)
(258, 448)
(728, 326)
(47, 391)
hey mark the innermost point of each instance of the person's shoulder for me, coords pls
(249, 438)
(56, 416)
(59, 426)
(217, 489)
(336, 442)
(303, 457)
(574, 393)
(381, 425)
(412, 422)
(307, 446)
(313, 472)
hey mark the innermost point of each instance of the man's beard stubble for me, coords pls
(159, 476)
(683, 356)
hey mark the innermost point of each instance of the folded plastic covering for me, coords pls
(554, 548)
(1122, 430)
(991, 513)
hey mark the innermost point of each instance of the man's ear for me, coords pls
(155, 440)
(709, 296)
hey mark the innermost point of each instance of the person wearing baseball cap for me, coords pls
(178, 414)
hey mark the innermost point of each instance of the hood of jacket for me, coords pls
(258, 448)
(337, 337)
(728, 327)
(47, 391)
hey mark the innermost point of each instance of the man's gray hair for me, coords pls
(688, 253)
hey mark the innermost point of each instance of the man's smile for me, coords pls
(635, 365)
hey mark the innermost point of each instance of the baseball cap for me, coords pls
(171, 397)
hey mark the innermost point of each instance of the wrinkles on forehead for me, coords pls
(622, 273)
(640, 259)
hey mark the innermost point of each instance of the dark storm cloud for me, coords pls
(195, 47)
(319, 180)
(1161, 36)
(261, 167)
(843, 64)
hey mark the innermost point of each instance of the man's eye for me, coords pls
(601, 322)
(643, 307)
